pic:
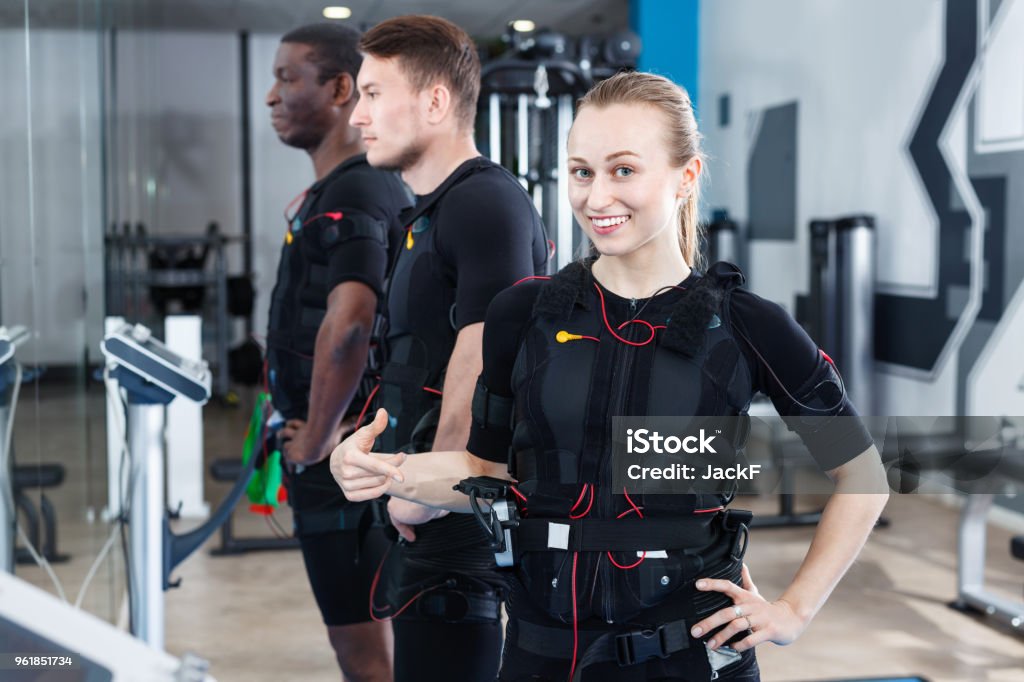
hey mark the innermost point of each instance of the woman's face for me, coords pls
(623, 189)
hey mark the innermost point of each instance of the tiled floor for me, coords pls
(253, 617)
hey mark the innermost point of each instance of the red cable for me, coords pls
(432, 390)
(526, 279)
(366, 405)
(301, 197)
(708, 510)
(333, 215)
(575, 620)
(642, 556)
(637, 321)
(604, 314)
(583, 492)
(373, 591)
(825, 355)
(632, 504)
(632, 565)
(518, 494)
(587, 510)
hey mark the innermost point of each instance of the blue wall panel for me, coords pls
(669, 31)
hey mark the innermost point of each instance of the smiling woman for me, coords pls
(611, 586)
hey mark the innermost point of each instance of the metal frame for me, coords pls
(970, 569)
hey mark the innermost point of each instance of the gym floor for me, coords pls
(253, 617)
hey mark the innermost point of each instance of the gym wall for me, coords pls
(913, 112)
(50, 192)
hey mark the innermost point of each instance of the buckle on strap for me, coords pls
(637, 646)
(733, 519)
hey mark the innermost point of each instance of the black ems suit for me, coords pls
(544, 404)
(475, 235)
(343, 230)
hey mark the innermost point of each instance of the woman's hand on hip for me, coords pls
(767, 621)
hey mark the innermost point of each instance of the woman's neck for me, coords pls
(641, 275)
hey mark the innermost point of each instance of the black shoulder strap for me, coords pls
(429, 201)
(690, 317)
(566, 289)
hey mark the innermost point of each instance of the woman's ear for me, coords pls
(689, 178)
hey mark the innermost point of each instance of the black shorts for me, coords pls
(341, 569)
(340, 564)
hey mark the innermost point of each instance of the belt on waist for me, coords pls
(614, 535)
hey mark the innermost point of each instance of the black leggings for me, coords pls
(430, 651)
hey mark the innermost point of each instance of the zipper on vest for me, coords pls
(623, 368)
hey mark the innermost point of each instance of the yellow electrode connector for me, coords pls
(564, 336)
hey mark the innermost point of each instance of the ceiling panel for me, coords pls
(482, 18)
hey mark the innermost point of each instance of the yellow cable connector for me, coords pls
(409, 241)
(564, 336)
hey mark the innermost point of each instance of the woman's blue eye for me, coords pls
(581, 173)
(623, 171)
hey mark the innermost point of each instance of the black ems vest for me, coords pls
(412, 377)
(565, 395)
(299, 301)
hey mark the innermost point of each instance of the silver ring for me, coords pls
(737, 610)
(750, 626)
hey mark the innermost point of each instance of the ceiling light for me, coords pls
(337, 12)
(523, 25)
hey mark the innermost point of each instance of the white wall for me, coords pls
(862, 74)
(859, 72)
(50, 192)
(177, 132)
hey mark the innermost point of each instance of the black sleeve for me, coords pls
(357, 245)
(802, 383)
(507, 320)
(488, 232)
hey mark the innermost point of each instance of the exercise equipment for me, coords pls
(231, 469)
(261, 465)
(83, 648)
(838, 313)
(146, 275)
(527, 98)
(42, 522)
(10, 378)
(988, 472)
(839, 310)
(151, 376)
(723, 239)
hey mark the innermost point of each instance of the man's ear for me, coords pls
(344, 89)
(439, 102)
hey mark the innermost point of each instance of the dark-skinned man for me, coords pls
(322, 312)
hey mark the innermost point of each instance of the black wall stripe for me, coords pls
(913, 331)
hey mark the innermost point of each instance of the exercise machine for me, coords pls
(10, 379)
(45, 638)
(150, 377)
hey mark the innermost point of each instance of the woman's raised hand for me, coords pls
(362, 474)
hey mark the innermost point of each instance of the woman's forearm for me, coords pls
(431, 476)
(846, 523)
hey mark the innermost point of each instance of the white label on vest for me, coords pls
(558, 536)
(653, 554)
